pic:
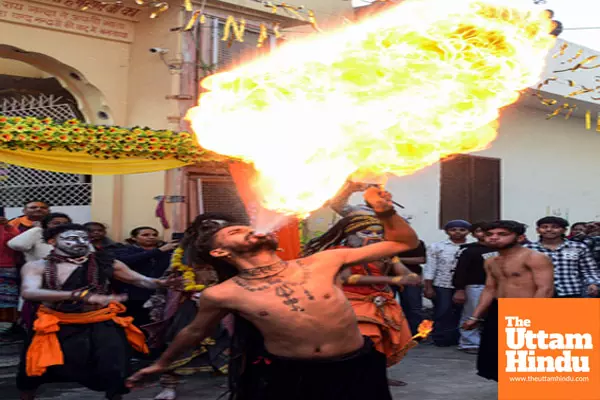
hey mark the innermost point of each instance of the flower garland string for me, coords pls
(189, 276)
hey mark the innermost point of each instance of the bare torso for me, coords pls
(301, 312)
(64, 271)
(513, 275)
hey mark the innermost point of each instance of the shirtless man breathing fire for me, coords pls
(313, 345)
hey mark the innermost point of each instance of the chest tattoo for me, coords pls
(285, 289)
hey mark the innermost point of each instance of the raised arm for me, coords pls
(207, 317)
(339, 203)
(543, 274)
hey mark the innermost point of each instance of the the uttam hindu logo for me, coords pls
(548, 349)
(524, 342)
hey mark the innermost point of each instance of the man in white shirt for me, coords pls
(437, 275)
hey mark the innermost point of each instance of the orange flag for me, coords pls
(289, 235)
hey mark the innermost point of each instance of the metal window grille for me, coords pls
(233, 53)
(23, 184)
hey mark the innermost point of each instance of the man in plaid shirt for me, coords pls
(574, 265)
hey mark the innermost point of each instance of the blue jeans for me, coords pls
(411, 300)
(470, 339)
(446, 317)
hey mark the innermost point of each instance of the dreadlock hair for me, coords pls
(198, 241)
(247, 342)
(337, 233)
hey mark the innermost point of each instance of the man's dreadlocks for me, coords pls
(247, 342)
(336, 235)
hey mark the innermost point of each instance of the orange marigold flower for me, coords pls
(3, 120)
(78, 138)
(103, 146)
(63, 138)
(72, 122)
(7, 127)
(152, 148)
(35, 138)
(140, 148)
(16, 120)
(20, 127)
(129, 138)
(77, 130)
(128, 147)
(141, 140)
(22, 137)
(165, 141)
(184, 135)
(6, 137)
(91, 139)
(154, 140)
(105, 138)
(112, 129)
(137, 131)
(37, 128)
(46, 121)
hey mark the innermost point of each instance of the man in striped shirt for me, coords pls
(575, 270)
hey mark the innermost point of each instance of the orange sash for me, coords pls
(44, 350)
(381, 318)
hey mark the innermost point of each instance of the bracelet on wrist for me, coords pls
(386, 214)
(353, 279)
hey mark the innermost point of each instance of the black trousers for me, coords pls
(95, 356)
(487, 359)
(357, 376)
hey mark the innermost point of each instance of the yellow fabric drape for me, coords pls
(85, 164)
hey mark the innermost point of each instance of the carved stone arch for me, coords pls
(90, 100)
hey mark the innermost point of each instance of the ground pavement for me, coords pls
(432, 374)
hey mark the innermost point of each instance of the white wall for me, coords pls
(548, 167)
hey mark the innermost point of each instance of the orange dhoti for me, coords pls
(381, 318)
(45, 349)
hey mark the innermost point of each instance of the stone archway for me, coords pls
(90, 100)
(67, 94)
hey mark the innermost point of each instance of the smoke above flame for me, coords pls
(390, 95)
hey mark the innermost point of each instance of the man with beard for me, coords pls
(575, 270)
(313, 347)
(516, 272)
(78, 335)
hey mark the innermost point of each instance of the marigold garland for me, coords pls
(189, 276)
(30, 133)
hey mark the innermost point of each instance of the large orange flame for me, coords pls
(393, 94)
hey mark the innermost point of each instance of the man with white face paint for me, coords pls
(78, 335)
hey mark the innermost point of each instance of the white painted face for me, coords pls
(73, 243)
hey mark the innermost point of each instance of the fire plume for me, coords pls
(392, 94)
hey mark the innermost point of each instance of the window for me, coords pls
(215, 194)
(470, 189)
(227, 55)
